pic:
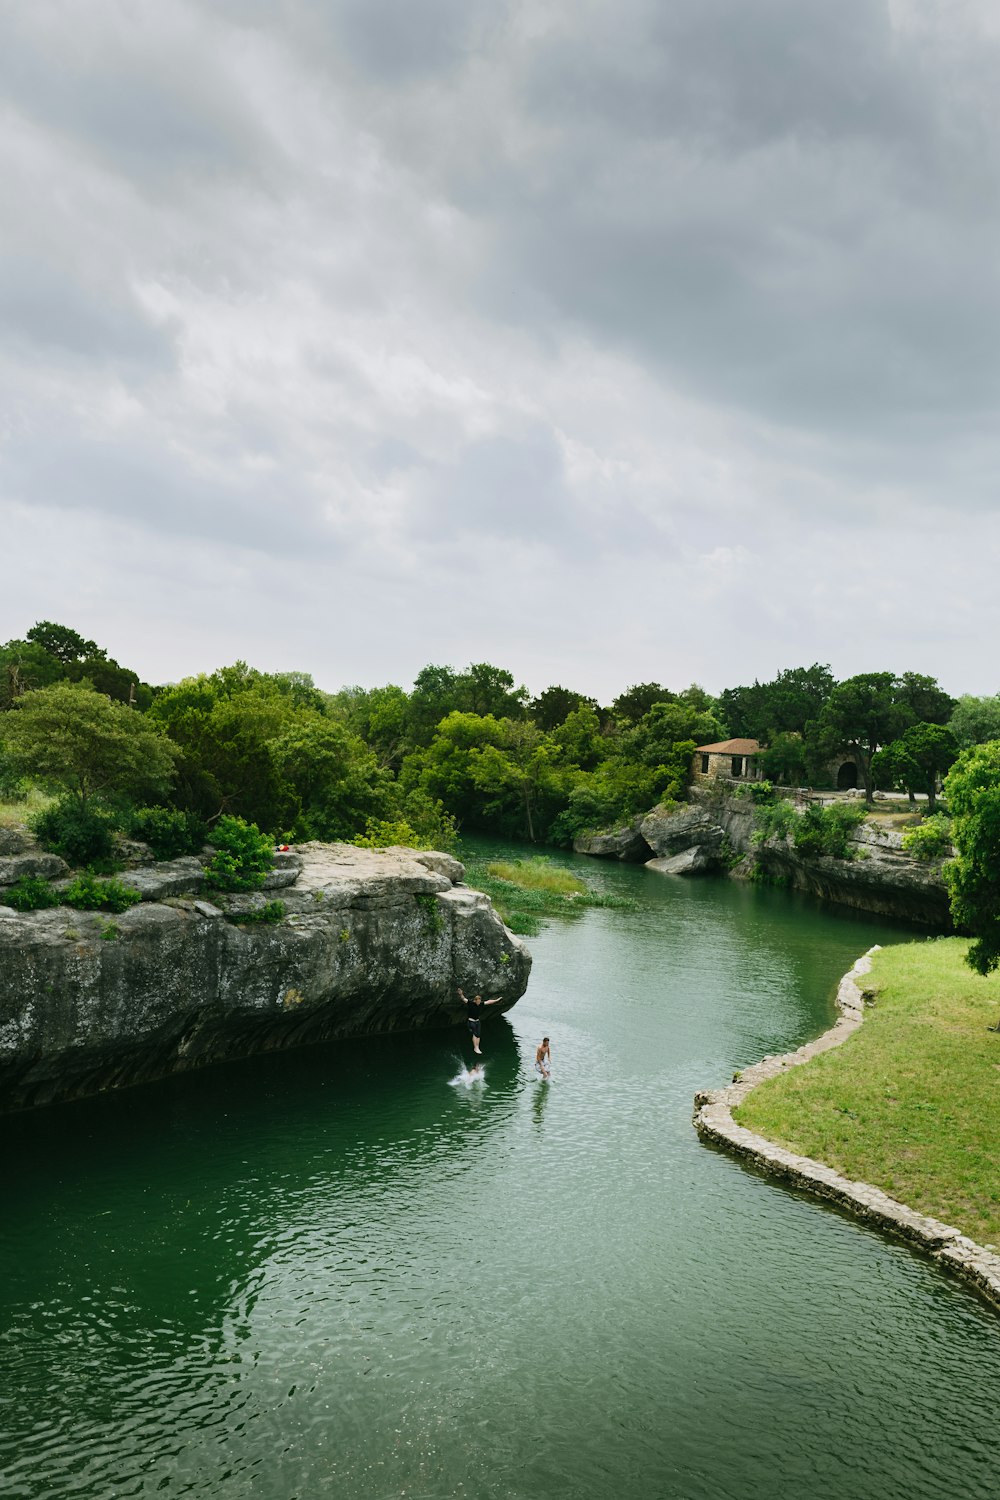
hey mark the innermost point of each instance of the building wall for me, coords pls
(721, 767)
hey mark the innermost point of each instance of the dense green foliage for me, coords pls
(87, 893)
(243, 856)
(80, 835)
(973, 792)
(930, 839)
(31, 893)
(168, 831)
(463, 750)
(70, 737)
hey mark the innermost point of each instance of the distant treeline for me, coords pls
(461, 749)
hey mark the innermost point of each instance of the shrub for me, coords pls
(775, 820)
(30, 893)
(827, 830)
(168, 831)
(931, 839)
(87, 893)
(82, 836)
(271, 911)
(758, 792)
(243, 855)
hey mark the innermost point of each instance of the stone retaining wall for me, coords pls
(714, 1122)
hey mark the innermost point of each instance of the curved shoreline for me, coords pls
(714, 1122)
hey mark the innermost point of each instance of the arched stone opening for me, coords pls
(847, 776)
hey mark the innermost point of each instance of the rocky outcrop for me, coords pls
(625, 843)
(714, 833)
(371, 941)
(713, 1119)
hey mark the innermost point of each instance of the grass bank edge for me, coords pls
(909, 1102)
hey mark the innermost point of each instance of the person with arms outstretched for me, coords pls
(473, 1011)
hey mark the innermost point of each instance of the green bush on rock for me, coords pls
(30, 893)
(243, 855)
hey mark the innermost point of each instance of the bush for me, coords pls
(168, 831)
(776, 820)
(931, 839)
(827, 830)
(271, 911)
(243, 855)
(30, 893)
(81, 835)
(87, 893)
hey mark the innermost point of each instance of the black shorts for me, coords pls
(474, 1027)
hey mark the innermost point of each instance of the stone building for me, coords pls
(729, 760)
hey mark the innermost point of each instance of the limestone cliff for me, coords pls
(372, 941)
(713, 834)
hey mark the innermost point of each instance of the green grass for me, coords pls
(13, 813)
(911, 1101)
(526, 891)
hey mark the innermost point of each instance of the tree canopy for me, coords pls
(973, 791)
(71, 737)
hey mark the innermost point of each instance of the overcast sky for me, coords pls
(606, 340)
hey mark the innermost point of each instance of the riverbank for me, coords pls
(721, 831)
(899, 1127)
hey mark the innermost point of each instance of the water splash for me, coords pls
(467, 1077)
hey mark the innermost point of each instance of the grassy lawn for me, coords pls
(524, 891)
(12, 813)
(911, 1101)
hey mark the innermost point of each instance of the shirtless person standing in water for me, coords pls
(543, 1058)
(473, 1008)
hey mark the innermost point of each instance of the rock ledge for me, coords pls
(372, 941)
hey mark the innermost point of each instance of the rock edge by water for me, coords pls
(714, 1122)
(713, 834)
(373, 941)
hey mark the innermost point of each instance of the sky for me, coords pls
(605, 340)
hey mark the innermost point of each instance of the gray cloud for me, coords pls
(481, 314)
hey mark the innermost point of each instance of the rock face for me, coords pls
(713, 833)
(626, 843)
(372, 941)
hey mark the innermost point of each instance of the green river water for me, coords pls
(339, 1273)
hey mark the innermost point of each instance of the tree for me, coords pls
(786, 760)
(973, 791)
(927, 702)
(975, 720)
(70, 736)
(916, 761)
(551, 708)
(861, 715)
(66, 645)
(330, 784)
(517, 770)
(785, 705)
(636, 701)
(24, 665)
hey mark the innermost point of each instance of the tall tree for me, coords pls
(71, 737)
(917, 760)
(973, 791)
(975, 720)
(861, 715)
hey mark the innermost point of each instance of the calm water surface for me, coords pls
(337, 1273)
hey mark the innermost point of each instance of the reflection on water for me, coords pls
(345, 1271)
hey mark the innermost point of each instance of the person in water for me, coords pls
(473, 1010)
(543, 1058)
